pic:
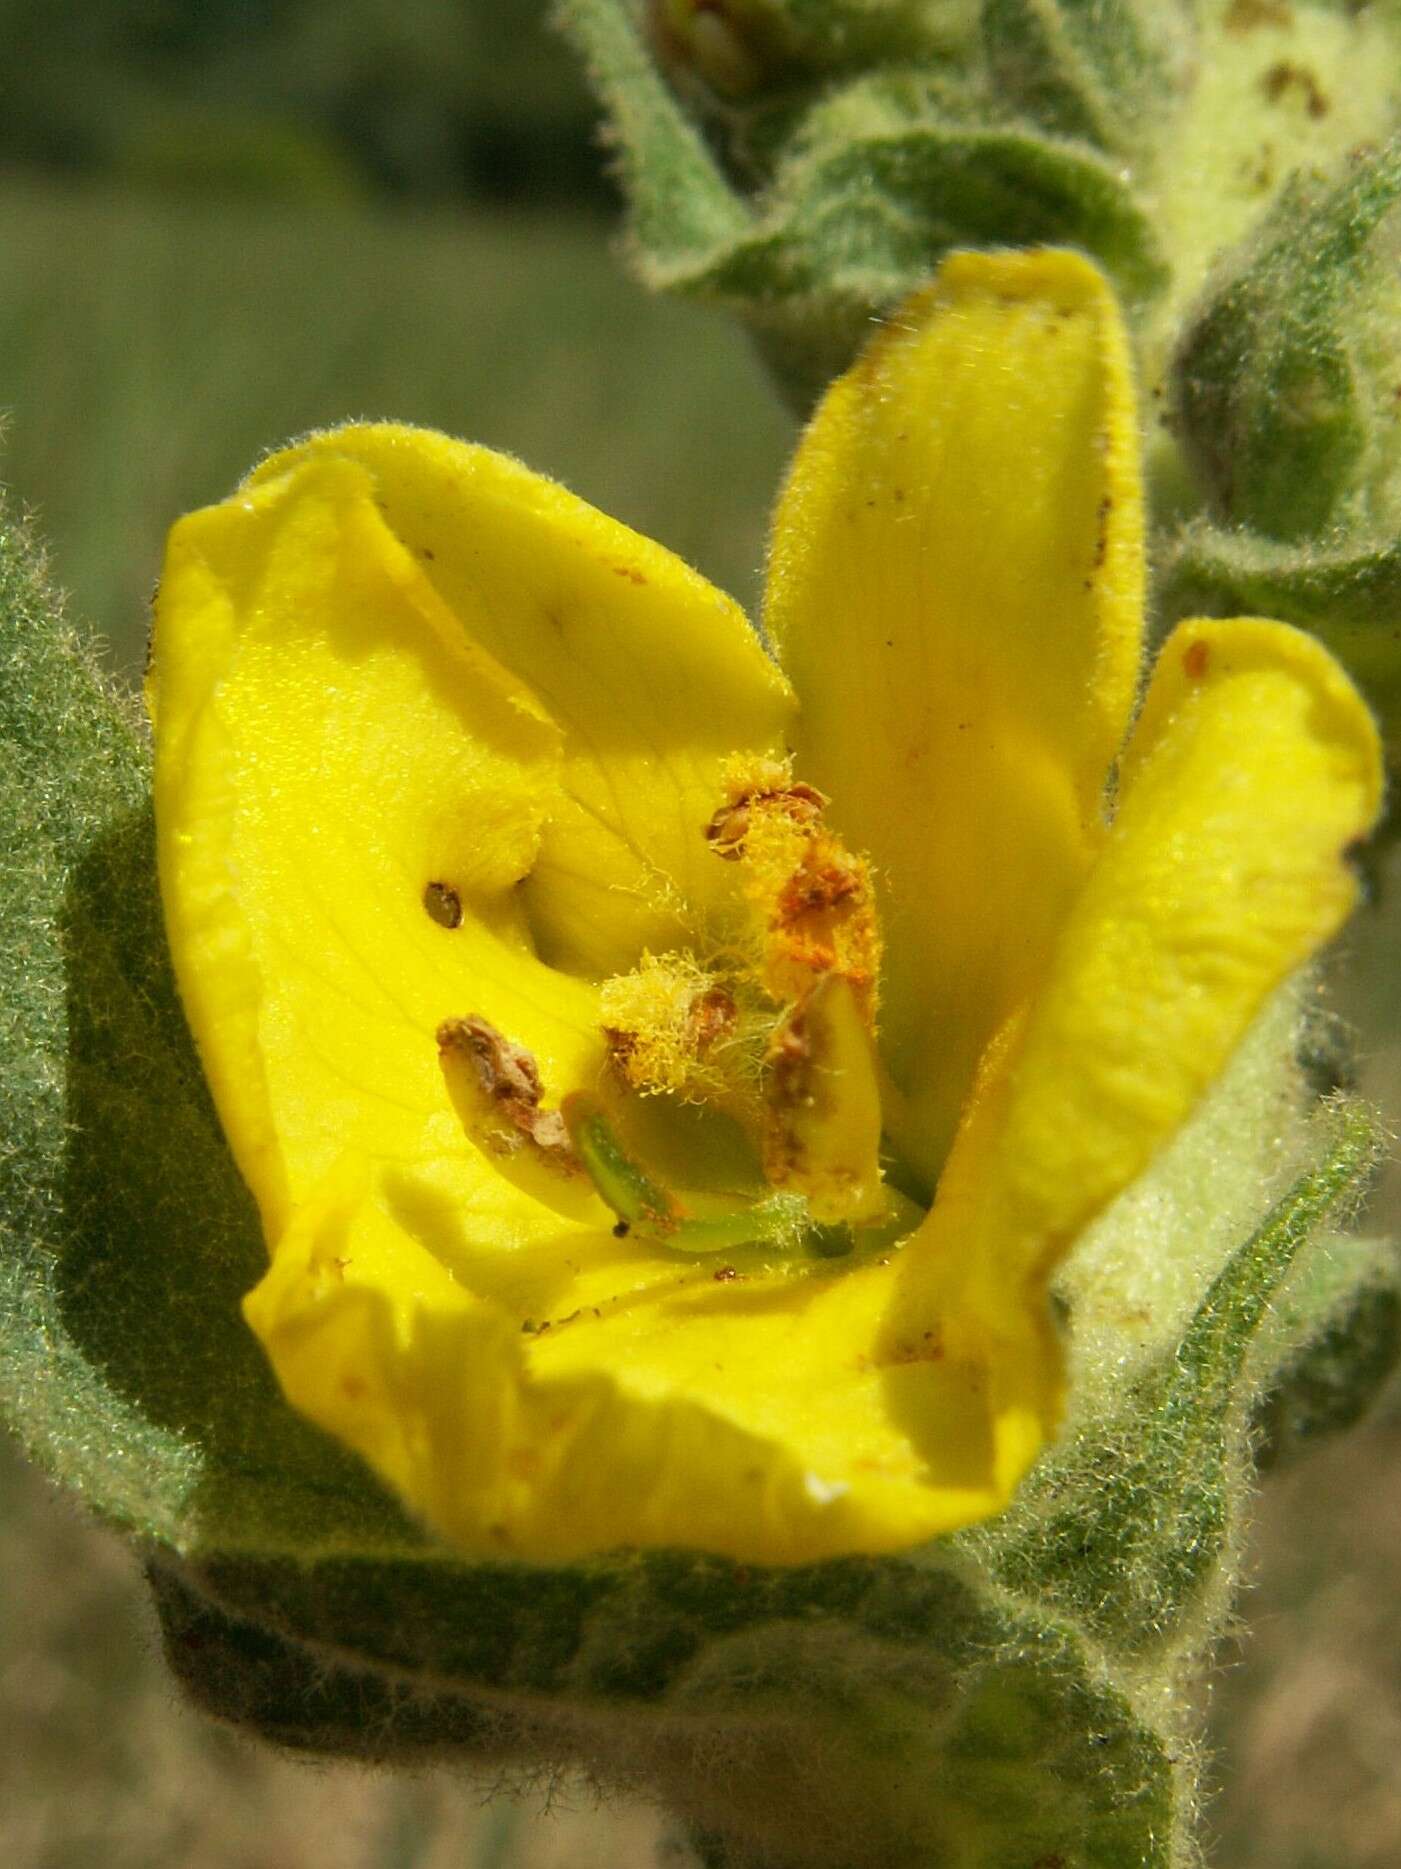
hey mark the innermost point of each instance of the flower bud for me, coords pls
(1284, 386)
(739, 47)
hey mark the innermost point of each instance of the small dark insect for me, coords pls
(443, 904)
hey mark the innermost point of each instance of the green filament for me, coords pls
(646, 1208)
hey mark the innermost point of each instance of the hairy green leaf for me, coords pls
(1129, 1528)
(128, 1237)
(1093, 69)
(964, 1733)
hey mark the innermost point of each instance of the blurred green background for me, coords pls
(223, 222)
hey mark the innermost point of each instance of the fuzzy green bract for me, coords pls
(1003, 1697)
(1284, 388)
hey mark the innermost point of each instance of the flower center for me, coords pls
(774, 1033)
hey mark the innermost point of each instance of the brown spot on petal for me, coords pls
(1105, 508)
(1196, 659)
(443, 904)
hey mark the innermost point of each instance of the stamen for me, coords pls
(663, 1022)
(765, 785)
(651, 1211)
(624, 1186)
(814, 911)
(494, 1086)
(823, 1128)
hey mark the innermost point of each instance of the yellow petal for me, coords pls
(330, 746)
(345, 766)
(1253, 768)
(649, 1402)
(955, 592)
(652, 675)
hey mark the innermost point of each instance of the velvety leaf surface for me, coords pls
(128, 1237)
(706, 1679)
(1127, 1528)
(1272, 382)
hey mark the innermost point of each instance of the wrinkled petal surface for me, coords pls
(955, 591)
(651, 675)
(1253, 768)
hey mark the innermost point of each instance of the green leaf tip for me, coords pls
(683, 208)
(1341, 1341)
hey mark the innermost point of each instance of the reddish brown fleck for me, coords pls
(815, 886)
(621, 1044)
(1196, 659)
(713, 1017)
(443, 904)
(509, 1076)
(627, 571)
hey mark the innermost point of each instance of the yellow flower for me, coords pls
(537, 933)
